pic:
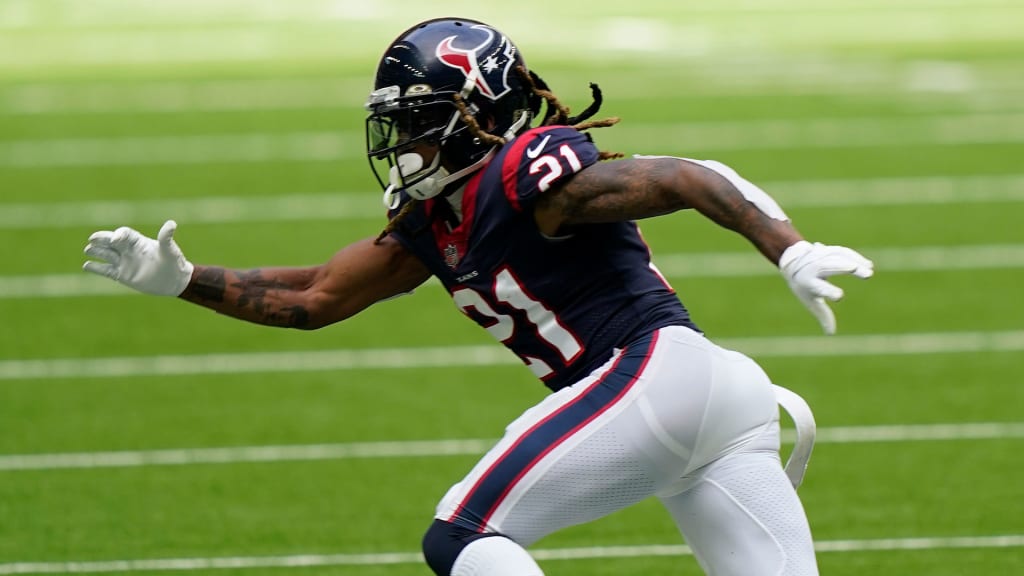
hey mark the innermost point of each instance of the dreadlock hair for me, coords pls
(555, 113)
(396, 220)
(474, 126)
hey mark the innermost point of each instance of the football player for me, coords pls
(531, 230)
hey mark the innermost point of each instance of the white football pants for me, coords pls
(673, 416)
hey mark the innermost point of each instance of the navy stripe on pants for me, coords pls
(493, 487)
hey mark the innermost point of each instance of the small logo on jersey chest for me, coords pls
(451, 256)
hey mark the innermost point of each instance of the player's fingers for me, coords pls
(101, 268)
(840, 264)
(123, 236)
(825, 289)
(863, 273)
(820, 309)
(101, 237)
(103, 253)
(166, 234)
(863, 267)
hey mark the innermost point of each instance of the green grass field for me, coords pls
(140, 434)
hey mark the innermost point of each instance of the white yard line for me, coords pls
(542, 554)
(454, 447)
(114, 33)
(839, 133)
(173, 457)
(104, 15)
(483, 355)
(973, 86)
(347, 205)
(183, 96)
(187, 150)
(694, 265)
(216, 210)
(921, 258)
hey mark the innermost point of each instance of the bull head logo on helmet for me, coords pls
(485, 65)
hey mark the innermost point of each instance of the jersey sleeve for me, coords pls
(541, 159)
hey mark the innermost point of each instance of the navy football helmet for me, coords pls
(419, 80)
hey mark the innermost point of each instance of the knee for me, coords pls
(443, 543)
(451, 550)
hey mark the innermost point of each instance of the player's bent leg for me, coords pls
(452, 550)
(741, 517)
(662, 409)
(570, 459)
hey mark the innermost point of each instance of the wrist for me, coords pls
(794, 252)
(182, 279)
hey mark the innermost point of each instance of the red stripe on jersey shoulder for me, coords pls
(514, 157)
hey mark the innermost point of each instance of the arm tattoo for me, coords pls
(632, 191)
(253, 288)
(208, 284)
(249, 295)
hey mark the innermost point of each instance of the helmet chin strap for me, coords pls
(432, 185)
(407, 164)
(429, 187)
(513, 130)
(435, 183)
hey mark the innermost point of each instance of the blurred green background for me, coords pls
(140, 434)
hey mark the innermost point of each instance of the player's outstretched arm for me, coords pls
(637, 188)
(301, 297)
(643, 187)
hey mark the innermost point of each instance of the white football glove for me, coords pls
(147, 265)
(806, 267)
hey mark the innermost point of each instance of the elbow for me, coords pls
(318, 311)
(302, 317)
(311, 321)
(308, 326)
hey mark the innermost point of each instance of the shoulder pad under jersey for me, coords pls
(541, 159)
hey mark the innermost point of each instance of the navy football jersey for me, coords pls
(561, 304)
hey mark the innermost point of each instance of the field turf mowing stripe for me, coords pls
(342, 206)
(485, 355)
(308, 146)
(689, 265)
(455, 447)
(322, 560)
